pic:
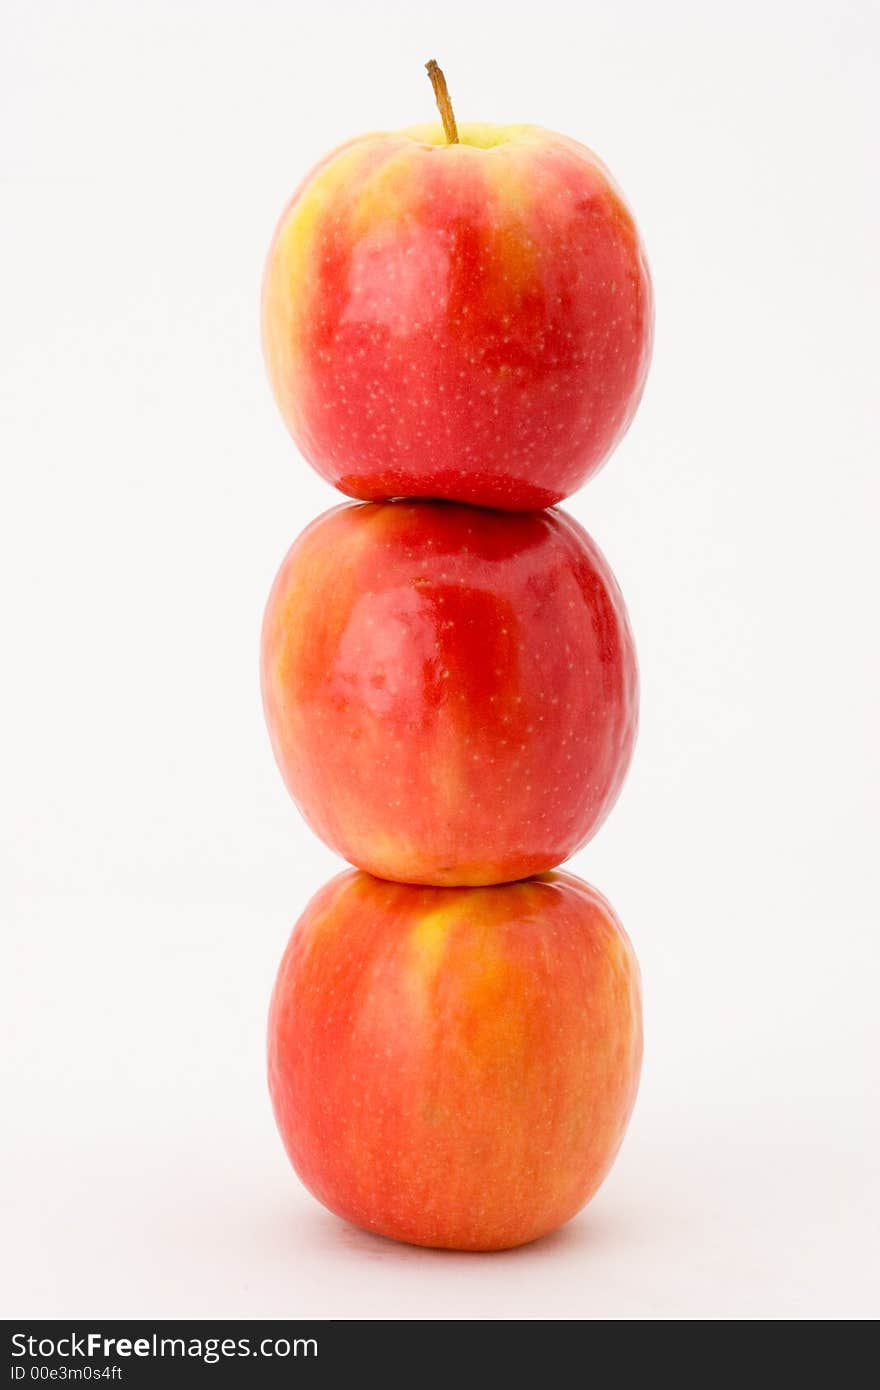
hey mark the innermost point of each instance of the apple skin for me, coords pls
(455, 1067)
(468, 321)
(451, 692)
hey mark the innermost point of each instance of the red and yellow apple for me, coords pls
(469, 321)
(451, 692)
(455, 1067)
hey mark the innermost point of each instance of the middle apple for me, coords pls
(451, 692)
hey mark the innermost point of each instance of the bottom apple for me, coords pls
(455, 1067)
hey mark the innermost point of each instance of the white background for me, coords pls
(152, 864)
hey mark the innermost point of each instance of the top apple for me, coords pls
(468, 320)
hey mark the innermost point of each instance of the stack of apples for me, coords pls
(457, 325)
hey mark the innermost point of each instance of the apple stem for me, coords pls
(444, 105)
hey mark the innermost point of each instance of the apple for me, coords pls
(451, 692)
(455, 1067)
(469, 320)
